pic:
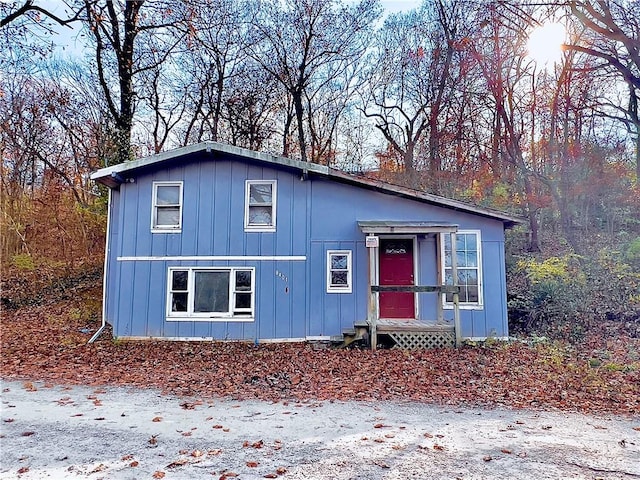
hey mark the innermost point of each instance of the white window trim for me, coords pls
(479, 305)
(335, 288)
(247, 315)
(260, 228)
(165, 228)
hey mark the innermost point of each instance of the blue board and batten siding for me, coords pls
(336, 209)
(314, 214)
(212, 225)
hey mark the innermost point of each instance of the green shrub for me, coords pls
(632, 254)
(555, 270)
(566, 296)
(614, 292)
(23, 262)
(552, 295)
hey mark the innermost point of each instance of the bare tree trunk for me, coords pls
(286, 146)
(299, 109)
(409, 160)
(534, 241)
(218, 105)
(637, 152)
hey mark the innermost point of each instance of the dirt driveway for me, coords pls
(60, 432)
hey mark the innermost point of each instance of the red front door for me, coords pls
(396, 268)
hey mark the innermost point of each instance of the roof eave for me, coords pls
(115, 175)
(104, 175)
(508, 220)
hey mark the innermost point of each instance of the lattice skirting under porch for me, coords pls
(423, 340)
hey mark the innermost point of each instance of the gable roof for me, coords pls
(116, 174)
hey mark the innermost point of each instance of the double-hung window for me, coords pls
(339, 276)
(260, 206)
(468, 264)
(225, 293)
(166, 211)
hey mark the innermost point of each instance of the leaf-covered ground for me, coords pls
(601, 375)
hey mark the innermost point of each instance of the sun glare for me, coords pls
(545, 43)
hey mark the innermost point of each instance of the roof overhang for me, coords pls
(408, 228)
(507, 219)
(115, 175)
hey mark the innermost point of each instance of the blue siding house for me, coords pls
(217, 242)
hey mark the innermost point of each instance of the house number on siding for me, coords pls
(284, 278)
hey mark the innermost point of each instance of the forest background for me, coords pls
(446, 98)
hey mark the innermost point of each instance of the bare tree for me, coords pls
(306, 44)
(614, 39)
(500, 54)
(252, 105)
(51, 133)
(543, 121)
(20, 16)
(27, 32)
(118, 30)
(410, 80)
(213, 53)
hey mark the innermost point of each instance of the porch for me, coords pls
(407, 332)
(408, 335)
(412, 334)
(404, 334)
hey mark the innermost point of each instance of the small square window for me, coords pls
(260, 206)
(179, 281)
(339, 273)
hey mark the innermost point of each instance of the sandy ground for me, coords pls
(116, 433)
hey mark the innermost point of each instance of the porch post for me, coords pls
(440, 276)
(372, 305)
(456, 295)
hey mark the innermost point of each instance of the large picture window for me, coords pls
(166, 211)
(211, 293)
(339, 275)
(468, 260)
(260, 206)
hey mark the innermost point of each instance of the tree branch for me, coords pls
(626, 72)
(30, 7)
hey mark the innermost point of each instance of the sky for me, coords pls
(66, 43)
(392, 6)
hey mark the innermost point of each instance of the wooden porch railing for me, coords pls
(439, 289)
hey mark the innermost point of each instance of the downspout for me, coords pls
(104, 274)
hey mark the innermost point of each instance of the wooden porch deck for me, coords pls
(413, 334)
(410, 325)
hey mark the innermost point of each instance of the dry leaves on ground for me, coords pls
(45, 343)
